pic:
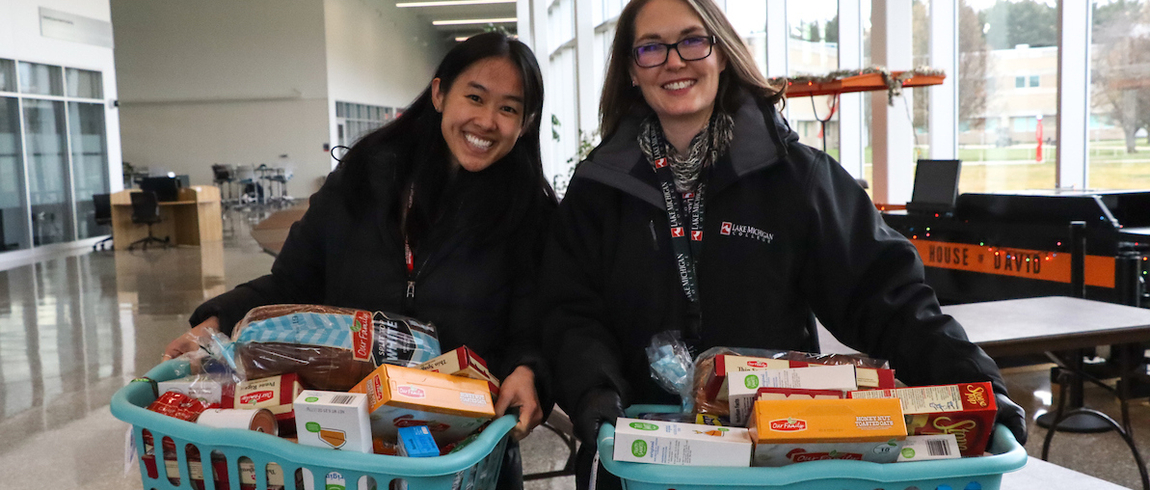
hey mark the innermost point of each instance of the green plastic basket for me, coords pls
(981, 473)
(475, 467)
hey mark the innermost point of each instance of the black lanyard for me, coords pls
(686, 237)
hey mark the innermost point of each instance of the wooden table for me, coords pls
(193, 218)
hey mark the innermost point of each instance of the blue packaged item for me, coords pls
(416, 442)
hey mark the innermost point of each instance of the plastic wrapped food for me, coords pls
(330, 348)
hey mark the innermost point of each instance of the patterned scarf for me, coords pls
(705, 148)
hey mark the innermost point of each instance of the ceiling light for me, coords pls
(451, 3)
(464, 22)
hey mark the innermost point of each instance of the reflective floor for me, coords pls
(76, 328)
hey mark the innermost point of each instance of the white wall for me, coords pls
(20, 39)
(218, 81)
(378, 54)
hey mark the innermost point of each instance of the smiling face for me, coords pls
(482, 112)
(682, 93)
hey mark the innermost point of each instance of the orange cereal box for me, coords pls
(796, 430)
(452, 407)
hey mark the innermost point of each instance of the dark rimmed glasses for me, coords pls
(692, 48)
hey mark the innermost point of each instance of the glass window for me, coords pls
(1034, 80)
(85, 84)
(89, 163)
(1000, 43)
(1120, 96)
(44, 133)
(920, 39)
(13, 221)
(812, 48)
(40, 79)
(7, 76)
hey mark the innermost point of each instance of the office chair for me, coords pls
(146, 209)
(103, 206)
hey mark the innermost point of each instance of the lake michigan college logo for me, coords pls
(745, 231)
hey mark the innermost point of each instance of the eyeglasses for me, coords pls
(689, 49)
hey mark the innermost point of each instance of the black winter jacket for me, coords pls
(787, 233)
(477, 293)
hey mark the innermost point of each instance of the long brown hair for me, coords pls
(620, 98)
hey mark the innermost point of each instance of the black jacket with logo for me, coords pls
(788, 233)
(475, 289)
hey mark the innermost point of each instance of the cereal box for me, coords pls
(450, 406)
(674, 443)
(929, 448)
(795, 431)
(966, 410)
(744, 386)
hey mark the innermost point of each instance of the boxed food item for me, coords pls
(330, 348)
(795, 431)
(463, 362)
(716, 387)
(333, 420)
(275, 393)
(966, 410)
(673, 443)
(770, 393)
(744, 386)
(416, 442)
(450, 406)
(929, 448)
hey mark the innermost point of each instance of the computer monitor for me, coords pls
(935, 187)
(166, 188)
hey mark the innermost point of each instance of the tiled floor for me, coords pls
(74, 329)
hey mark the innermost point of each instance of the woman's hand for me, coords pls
(187, 342)
(518, 390)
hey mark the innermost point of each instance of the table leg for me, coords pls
(1080, 423)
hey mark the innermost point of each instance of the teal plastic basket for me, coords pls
(981, 473)
(475, 467)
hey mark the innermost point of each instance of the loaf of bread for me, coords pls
(330, 348)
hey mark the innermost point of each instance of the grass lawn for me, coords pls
(1013, 168)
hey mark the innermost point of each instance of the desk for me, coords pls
(1040, 475)
(194, 218)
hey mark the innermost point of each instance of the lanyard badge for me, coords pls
(685, 216)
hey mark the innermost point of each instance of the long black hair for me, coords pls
(412, 152)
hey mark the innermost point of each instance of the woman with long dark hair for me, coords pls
(437, 216)
(702, 214)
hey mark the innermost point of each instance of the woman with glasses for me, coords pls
(700, 213)
(439, 216)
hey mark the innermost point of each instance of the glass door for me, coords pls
(13, 221)
(89, 164)
(46, 137)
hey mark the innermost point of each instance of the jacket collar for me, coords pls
(619, 162)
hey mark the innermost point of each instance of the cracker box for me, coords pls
(795, 431)
(929, 448)
(333, 420)
(463, 362)
(744, 385)
(673, 443)
(450, 406)
(275, 393)
(966, 410)
(715, 387)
